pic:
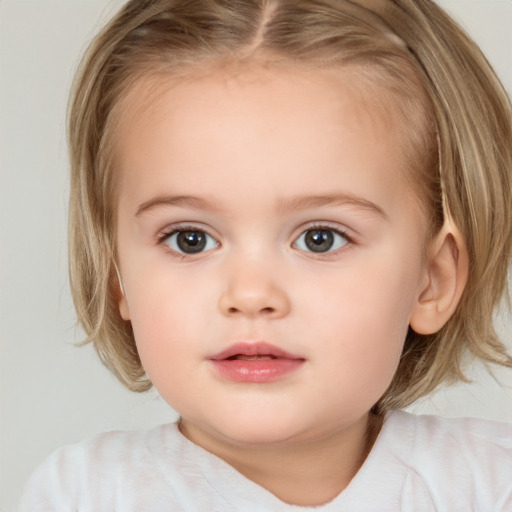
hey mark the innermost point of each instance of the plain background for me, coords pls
(52, 392)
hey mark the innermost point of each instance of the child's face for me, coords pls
(298, 230)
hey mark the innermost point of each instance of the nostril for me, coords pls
(267, 310)
(265, 301)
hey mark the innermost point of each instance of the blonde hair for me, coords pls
(457, 126)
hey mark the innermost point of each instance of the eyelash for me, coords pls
(165, 235)
(326, 227)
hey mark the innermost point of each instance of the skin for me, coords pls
(245, 147)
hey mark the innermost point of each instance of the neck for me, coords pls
(306, 474)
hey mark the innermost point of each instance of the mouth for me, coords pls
(242, 357)
(255, 363)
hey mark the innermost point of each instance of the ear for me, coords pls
(121, 296)
(446, 276)
(123, 308)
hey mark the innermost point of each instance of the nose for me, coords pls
(253, 291)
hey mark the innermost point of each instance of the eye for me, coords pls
(321, 240)
(188, 241)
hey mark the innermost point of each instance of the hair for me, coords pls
(456, 125)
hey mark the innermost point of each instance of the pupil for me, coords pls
(319, 240)
(191, 241)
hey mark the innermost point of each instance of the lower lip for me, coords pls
(258, 371)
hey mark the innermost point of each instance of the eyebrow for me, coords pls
(180, 200)
(286, 204)
(307, 201)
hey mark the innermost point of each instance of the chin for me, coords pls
(262, 431)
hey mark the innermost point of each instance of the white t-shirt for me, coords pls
(418, 464)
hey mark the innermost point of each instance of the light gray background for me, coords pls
(52, 392)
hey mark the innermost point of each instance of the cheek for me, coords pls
(163, 321)
(377, 299)
(364, 318)
(174, 318)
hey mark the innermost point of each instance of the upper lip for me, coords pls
(259, 348)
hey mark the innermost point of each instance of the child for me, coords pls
(293, 219)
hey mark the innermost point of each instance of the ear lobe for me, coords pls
(447, 269)
(122, 302)
(123, 308)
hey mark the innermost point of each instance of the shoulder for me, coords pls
(475, 435)
(101, 452)
(456, 458)
(92, 471)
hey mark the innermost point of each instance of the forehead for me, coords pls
(154, 97)
(256, 126)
